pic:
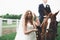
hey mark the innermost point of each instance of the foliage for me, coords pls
(12, 16)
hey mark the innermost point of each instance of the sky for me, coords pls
(21, 6)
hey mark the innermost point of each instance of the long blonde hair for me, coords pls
(26, 17)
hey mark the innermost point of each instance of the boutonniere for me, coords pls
(47, 5)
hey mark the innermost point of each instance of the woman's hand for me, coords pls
(34, 30)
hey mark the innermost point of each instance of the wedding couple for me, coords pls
(27, 27)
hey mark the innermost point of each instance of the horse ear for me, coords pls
(56, 13)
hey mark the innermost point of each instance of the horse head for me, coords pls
(53, 16)
(49, 20)
(49, 23)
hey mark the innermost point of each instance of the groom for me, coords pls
(46, 7)
(42, 7)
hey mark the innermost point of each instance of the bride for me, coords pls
(27, 29)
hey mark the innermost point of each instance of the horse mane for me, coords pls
(51, 26)
(45, 23)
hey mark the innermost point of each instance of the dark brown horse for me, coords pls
(49, 27)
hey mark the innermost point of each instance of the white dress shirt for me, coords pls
(44, 4)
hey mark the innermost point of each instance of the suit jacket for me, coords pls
(41, 10)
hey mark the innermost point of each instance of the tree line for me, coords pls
(11, 16)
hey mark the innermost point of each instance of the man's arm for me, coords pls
(40, 10)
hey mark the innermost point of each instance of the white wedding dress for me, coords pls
(20, 34)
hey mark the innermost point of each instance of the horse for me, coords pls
(49, 27)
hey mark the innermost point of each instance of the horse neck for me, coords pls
(44, 24)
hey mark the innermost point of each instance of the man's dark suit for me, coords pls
(41, 11)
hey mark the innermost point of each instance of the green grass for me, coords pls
(8, 36)
(12, 35)
(58, 37)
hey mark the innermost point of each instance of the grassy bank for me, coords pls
(8, 36)
(12, 35)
